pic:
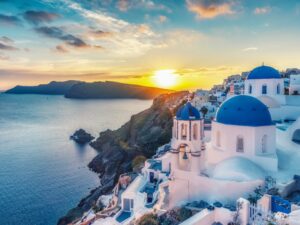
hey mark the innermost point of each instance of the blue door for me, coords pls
(278, 204)
(151, 177)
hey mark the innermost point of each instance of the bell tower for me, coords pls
(187, 139)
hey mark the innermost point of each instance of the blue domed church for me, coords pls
(243, 127)
(265, 81)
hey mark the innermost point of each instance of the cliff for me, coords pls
(141, 135)
(52, 88)
(110, 89)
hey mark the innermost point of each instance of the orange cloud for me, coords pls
(208, 9)
(262, 10)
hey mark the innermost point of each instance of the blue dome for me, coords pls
(264, 72)
(244, 110)
(188, 112)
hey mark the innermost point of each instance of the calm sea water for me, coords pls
(42, 173)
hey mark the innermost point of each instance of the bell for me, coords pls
(185, 157)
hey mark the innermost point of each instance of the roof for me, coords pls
(243, 110)
(155, 164)
(264, 72)
(188, 112)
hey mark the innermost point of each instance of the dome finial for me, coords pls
(263, 63)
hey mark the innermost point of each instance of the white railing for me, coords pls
(259, 216)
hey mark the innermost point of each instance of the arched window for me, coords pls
(264, 89)
(240, 144)
(264, 144)
(195, 131)
(250, 89)
(183, 131)
(278, 89)
(218, 139)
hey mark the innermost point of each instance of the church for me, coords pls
(241, 151)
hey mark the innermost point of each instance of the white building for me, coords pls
(243, 128)
(294, 85)
(265, 80)
(187, 140)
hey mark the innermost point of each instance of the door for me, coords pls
(151, 177)
(126, 204)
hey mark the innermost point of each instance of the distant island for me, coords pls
(95, 90)
(52, 88)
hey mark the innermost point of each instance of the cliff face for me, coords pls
(110, 89)
(142, 135)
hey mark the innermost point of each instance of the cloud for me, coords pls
(100, 34)
(6, 40)
(58, 33)
(126, 38)
(162, 19)
(37, 17)
(262, 10)
(9, 20)
(4, 57)
(61, 49)
(208, 9)
(7, 47)
(125, 5)
(250, 49)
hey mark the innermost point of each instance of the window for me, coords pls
(278, 89)
(264, 90)
(264, 144)
(175, 130)
(218, 139)
(183, 131)
(240, 144)
(195, 131)
(250, 89)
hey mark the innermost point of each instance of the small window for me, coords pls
(264, 144)
(183, 131)
(264, 90)
(195, 131)
(218, 139)
(240, 144)
(278, 89)
(250, 89)
(175, 130)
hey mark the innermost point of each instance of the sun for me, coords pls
(165, 78)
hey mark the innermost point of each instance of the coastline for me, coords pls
(116, 149)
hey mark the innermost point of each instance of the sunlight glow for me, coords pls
(165, 78)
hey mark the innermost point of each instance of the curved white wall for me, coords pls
(260, 152)
(271, 84)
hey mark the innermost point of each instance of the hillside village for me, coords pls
(232, 159)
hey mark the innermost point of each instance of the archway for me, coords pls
(184, 157)
(296, 136)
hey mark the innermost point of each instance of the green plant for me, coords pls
(184, 214)
(138, 162)
(148, 219)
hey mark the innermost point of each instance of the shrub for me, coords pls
(184, 214)
(148, 219)
(138, 162)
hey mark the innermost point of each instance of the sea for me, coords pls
(43, 173)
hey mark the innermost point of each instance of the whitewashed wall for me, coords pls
(252, 144)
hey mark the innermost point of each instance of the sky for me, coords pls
(200, 42)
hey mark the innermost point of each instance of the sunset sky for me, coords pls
(199, 41)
